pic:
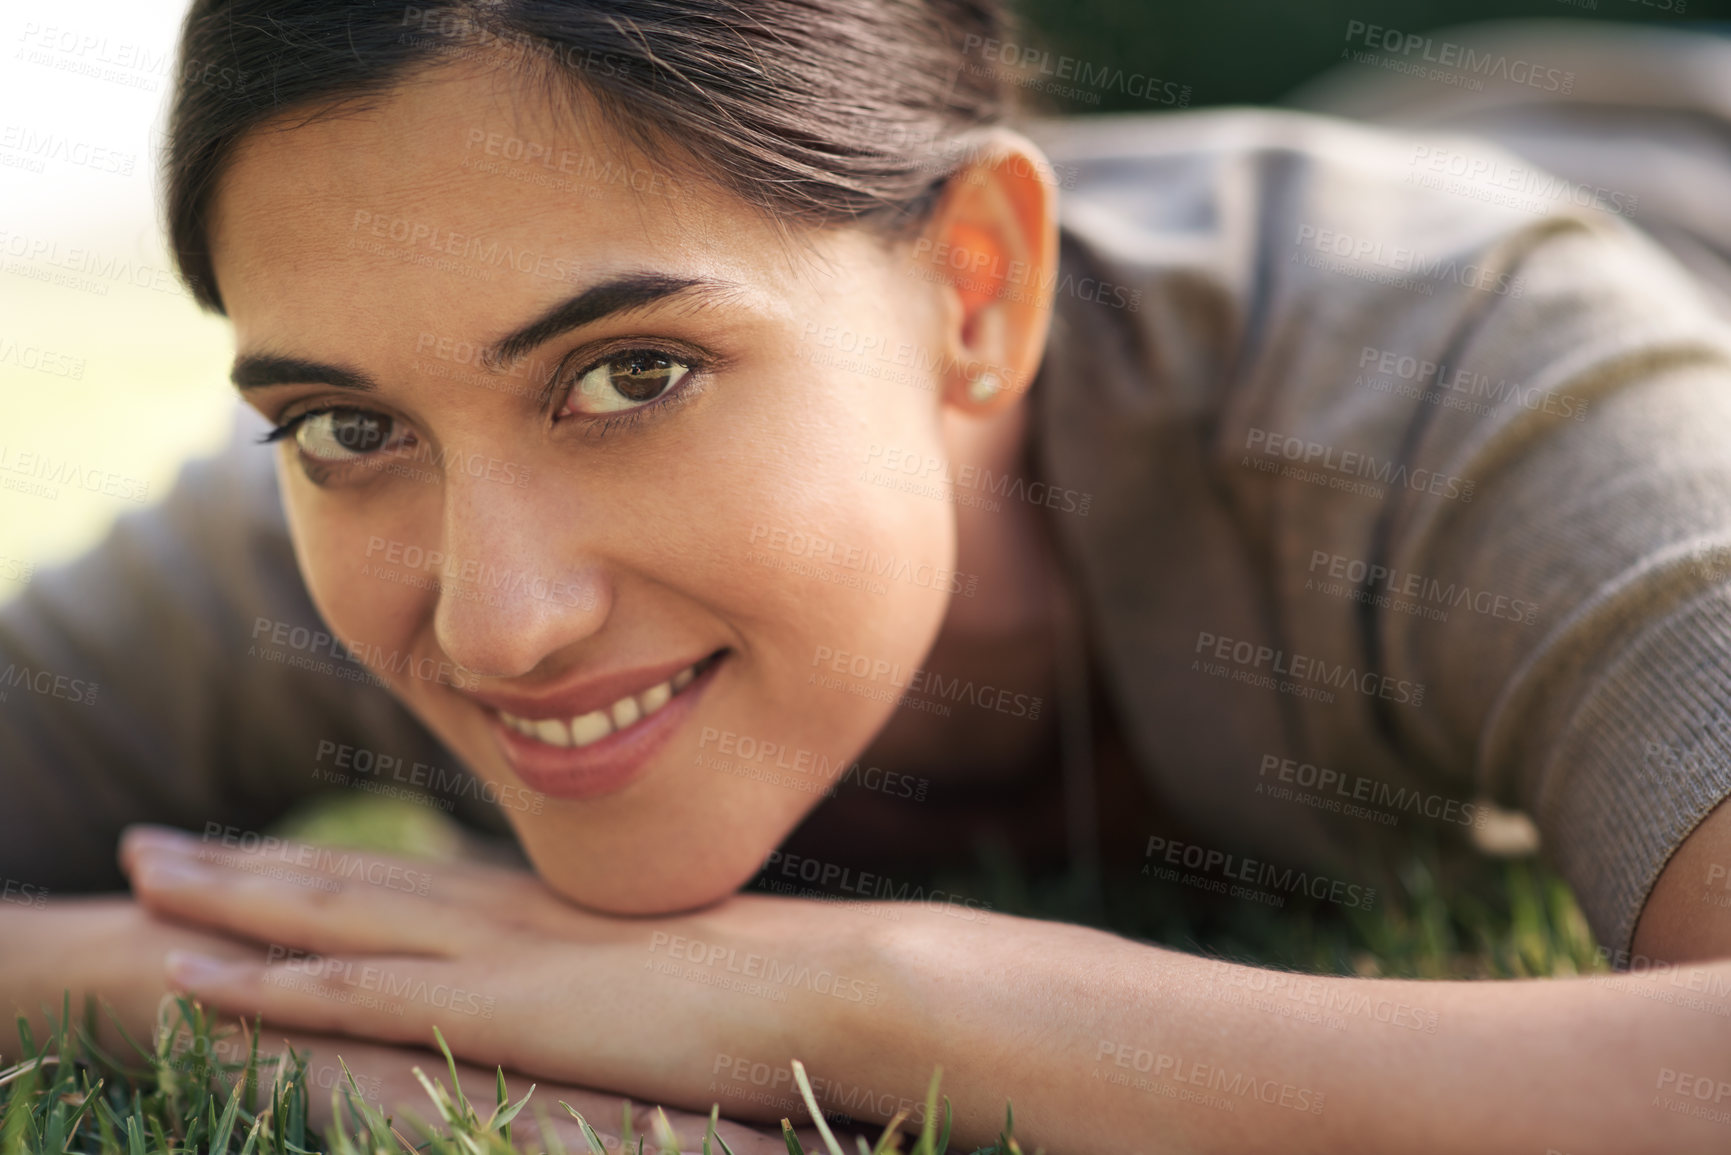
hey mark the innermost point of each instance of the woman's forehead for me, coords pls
(451, 144)
(445, 209)
(445, 187)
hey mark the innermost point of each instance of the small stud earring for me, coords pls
(983, 388)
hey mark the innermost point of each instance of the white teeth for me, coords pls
(591, 727)
(655, 697)
(597, 724)
(553, 732)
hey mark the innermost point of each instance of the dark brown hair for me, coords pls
(814, 112)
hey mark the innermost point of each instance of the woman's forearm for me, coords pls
(65, 946)
(1102, 1044)
(1107, 1045)
(102, 945)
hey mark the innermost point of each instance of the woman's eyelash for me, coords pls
(561, 381)
(287, 428)
(599, 427)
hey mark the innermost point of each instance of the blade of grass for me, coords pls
(15, 1132)
(91, 1095)
(225, 1126)
(817, 1118)
(441, 1100)
(664, 1136)
(28, 1065)
(549, 1137)
(502, 1123)
(596, 1147)
(161, 1136)
(926, 1144)
(456, 1087)
(105, 1128)
(889, 1134)
(1007, 1137)
(251, 1077)
(338, 1139)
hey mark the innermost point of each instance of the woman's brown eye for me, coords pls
(344, 434)
(626, 381)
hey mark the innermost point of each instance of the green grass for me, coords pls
(1444, 912)
(70, 1096)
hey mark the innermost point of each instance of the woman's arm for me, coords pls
(113, 948)
(1687, 916)
(107, 946)
(1102, 1044)
(1110, 1045)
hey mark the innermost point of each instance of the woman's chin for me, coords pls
(645, 898)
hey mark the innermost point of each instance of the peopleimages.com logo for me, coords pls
(1460, 63)
(1231, 868)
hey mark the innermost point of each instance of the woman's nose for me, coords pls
(520, 582)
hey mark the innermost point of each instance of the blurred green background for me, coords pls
(1257, 51)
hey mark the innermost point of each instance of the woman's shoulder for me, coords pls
(1267, 173)
(1210, 239)
(1104, 138)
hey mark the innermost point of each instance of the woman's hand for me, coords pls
(685, 1010)
(1101, 1043)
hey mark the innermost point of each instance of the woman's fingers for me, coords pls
(462, 878)
(505, 895)
(358, 904)
(393, 999)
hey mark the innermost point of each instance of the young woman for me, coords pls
(684, 409)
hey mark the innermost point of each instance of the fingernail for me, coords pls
(188, 969)
(165, 873)
(144, 837)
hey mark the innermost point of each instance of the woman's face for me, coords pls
(612, 563)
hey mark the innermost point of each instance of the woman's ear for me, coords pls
(992, 248)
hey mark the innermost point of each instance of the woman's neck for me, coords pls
(1003, 636)
(992, 761)
(1006, 542)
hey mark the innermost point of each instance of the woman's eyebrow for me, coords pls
(258, 370)
(616, 295)
(630, 291)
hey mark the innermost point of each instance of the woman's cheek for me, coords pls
(872, 582)
(357, 561)
(812, 564)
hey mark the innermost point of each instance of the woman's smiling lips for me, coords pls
(595, 737)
